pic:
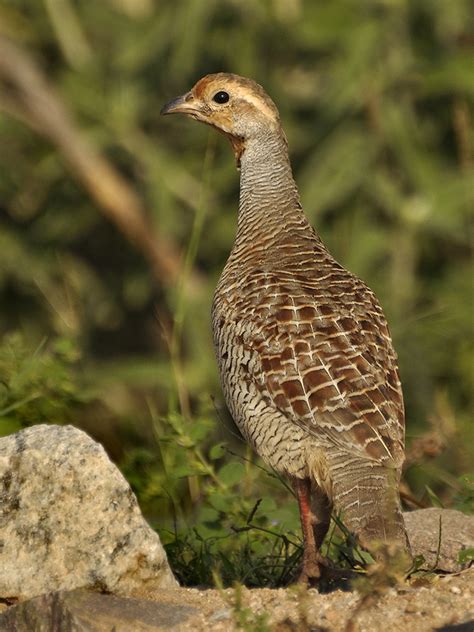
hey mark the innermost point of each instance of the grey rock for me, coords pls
(69, 519)
(83, 611)
(457, 534)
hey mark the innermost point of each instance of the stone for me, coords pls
(457, 535)
(84, 611)
(69, 519)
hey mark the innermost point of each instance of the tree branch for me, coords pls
(27, 95)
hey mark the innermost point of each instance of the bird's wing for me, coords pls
(324, 357)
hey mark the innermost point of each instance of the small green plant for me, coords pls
(245, 618)
(464, 500)
(389, 570)
(341, 547)
(466, 556)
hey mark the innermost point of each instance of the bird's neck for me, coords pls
(269, 198)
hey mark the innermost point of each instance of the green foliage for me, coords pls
(38, 386)
(342, 549)
(376, 100)
(224, 530)
(464, 500)
(466, 556)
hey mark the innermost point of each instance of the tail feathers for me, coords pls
(368, 500)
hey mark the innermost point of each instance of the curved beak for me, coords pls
(181, 104)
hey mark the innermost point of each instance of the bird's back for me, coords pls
(318, 342)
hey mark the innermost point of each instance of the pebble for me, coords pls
(221, 615)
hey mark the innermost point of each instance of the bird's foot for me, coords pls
(320, 568)
(311, 573)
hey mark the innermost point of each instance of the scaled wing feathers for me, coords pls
(328, 362)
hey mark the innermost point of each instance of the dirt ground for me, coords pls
(442, 602)
(447, 603)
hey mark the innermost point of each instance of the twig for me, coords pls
(438, 550)
(410, 499)
(462, 126)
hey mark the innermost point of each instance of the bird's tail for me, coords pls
(367, 498)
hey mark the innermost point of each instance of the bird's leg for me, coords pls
(315, 515)
(321, 508)
(312, 559)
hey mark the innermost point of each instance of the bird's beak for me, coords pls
(183, 104)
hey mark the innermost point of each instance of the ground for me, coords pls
(445, 603)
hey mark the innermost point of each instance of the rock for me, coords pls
(81, 611)
(457, 534)
(68, 519)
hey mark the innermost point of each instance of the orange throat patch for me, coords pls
(238, 145)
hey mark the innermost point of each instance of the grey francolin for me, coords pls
(305, 356)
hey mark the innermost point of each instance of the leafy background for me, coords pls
(105, 318)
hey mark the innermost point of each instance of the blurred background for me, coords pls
(115, 224)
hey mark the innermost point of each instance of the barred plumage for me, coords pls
(305, 356)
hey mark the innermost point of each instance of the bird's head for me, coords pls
(236, 106)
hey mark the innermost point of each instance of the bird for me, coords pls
(306, 361)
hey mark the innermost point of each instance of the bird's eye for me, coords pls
(221, 97)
